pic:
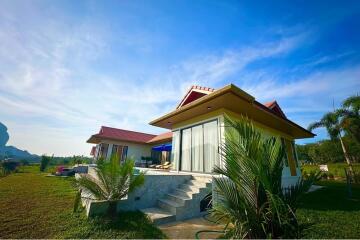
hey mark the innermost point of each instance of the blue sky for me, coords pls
(68, 67)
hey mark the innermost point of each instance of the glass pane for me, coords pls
(175, 150)
(210, 146)
(197, 144)
(114, 150)
(186, 150)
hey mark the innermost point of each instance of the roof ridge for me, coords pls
(128, 130)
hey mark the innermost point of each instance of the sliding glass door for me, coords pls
(199, 147)
(197, 151)
(210, 146)
(186, 150)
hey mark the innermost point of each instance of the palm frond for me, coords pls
(113, 181)
(249, 195)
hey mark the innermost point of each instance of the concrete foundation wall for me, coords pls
(146, 196)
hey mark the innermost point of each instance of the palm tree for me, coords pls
(332, 122)
(350, 114)
(113, 182)
(249, 196)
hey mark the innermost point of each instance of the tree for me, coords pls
(249, 196)
(331, 121)
(350, 114)
(113, 182)
(45, 160)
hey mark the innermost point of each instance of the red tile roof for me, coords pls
(121, 135)
(275, 107)
(195, 92)
(269, 104)
(164, 137)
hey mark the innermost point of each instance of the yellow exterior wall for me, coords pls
(231, 114)
(270, 131)
(267, 130)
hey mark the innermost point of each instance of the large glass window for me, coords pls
(103, 150)
(199, 147)
(120, 151)
(175, 151)
(210, 146)
(186, 150)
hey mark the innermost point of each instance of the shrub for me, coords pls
(9, 167)
(45, 160)
(357, 177)
(324, 176)
(112, 183)
(24, 162)
(250, 199)
(2, 172)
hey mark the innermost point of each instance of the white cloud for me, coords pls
(336, 82)
(53, 97)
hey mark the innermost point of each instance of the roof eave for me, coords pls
(219, 92)
(241, 94)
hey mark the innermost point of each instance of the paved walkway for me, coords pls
(187, 229)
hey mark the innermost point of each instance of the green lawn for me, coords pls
(335, 169)
(330, 213)
(35, 206)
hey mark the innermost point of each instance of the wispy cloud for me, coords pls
(54, 92)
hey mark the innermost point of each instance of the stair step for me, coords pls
(204, 179)
(184, 193)
(169, 205)
(181, 199)
(190, 188)
(197, 183)
(159, 216)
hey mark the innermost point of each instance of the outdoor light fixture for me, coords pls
(209, 108)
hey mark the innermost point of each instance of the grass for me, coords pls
(336, 169)
(35, 206)
(330, 213)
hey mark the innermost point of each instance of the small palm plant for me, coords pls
(113, 182)
(249, 196)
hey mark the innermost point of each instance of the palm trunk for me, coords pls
(346, 155)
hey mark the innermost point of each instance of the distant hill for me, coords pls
(11, 151)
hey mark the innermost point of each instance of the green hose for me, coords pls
(207, 231)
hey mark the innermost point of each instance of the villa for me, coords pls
(196, 132)
(132, 144)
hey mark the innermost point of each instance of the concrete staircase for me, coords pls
(182, 203)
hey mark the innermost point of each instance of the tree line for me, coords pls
(343, 128)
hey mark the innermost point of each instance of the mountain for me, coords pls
(11, 151)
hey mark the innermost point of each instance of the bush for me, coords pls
(324, 176)
(9, 167)
(24, 162)
(357, 177)
(45, 160)
(2, 172)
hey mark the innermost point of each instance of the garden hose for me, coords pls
(207, 231)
